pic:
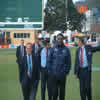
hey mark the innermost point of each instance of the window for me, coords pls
(8, 33)
(18, 35)
(24, 35)
(21, 35)
(15, 35)
(28, 35)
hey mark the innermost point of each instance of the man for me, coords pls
(44, 69)
(29, 75)
(20, 53)
(59, 64)
(83, 67)
(54, 41)
(36, 49)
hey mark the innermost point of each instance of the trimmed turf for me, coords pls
(10, 86)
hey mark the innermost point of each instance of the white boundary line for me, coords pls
(95, 69)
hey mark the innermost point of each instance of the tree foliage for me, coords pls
(60, 16)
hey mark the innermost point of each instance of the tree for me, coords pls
(74, 18)
(62, 14)
(55, 15)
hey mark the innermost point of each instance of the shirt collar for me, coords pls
(82, 46)
(44, 49)
(36, 44)
(28, 55)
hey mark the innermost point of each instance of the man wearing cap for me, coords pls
(83, 67)
(59, 64)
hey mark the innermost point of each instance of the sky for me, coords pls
(45, 1)
(78, 0)
(73, 1)
(91, 3)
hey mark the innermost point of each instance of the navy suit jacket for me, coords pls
(33, 49)
(18, 54)
(59, 61)
(25, 79)
(37, 56)
(89, 53)
(19, 60)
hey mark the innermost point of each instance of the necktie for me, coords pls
(47, 53)
(46, 57)
(30, 66)
(81, 57)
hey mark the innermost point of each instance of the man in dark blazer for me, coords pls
(83, 67)
(59, 65)
(30, 73)
(20, 53)
(36, 49)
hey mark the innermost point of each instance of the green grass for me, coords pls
(10, 87)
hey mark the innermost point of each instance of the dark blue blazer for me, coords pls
(19, 60)
(89, 53)
(37, 56)
(59, 61)
(33, 49)
(35, 71)
(18, 54)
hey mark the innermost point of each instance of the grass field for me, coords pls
(10, 87)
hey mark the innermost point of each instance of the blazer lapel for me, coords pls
(33, 64)
(26, 64)
(79, 51)
(86, 51)
(24, 50)
(32, 61)
(33, 48)
(20, 49)
(78, 56)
